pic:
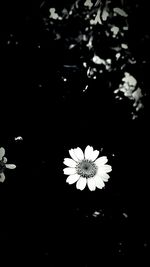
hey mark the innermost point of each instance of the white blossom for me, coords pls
(85, 168)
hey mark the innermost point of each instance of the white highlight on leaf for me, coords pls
(18, 138)
(53, 14)
(91, 72)
(125, 215)
(125, 28)
(84, 64)
(132, 60)
(105, 15)
(137, 94)
(118, 55)
(96, 213)
(98, 60)
(129, 79)
(124, 46)
(108, 61)
(85, 89)
(114, 30)
(88, 3)
(97, 19)
(71, 46)
(89, 44)
(129, 88)
(120, 12)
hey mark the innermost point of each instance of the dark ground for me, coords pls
(43, 218)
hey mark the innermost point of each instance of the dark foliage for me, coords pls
(50, 97)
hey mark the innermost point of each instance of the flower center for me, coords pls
(2, 166)
(86, 168)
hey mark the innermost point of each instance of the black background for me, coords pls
(41, 216)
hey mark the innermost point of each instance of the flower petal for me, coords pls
(91, 154)
(104, 177)
(81, 183)
(101, 161)
(72, 178)
(79, 153)
(104, 168)
(99, 182)
(94, 155)
(2, 177)
(69, 171)
(69, 162)
(2, 152)
(10, 166)
(72, 154)
(88, 151)
(91, 184)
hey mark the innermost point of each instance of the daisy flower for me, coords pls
(4, 165)
(86, 168)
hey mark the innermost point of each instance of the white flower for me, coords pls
(86, 169)
(4, 165)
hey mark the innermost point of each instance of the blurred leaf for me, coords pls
(120, 12)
